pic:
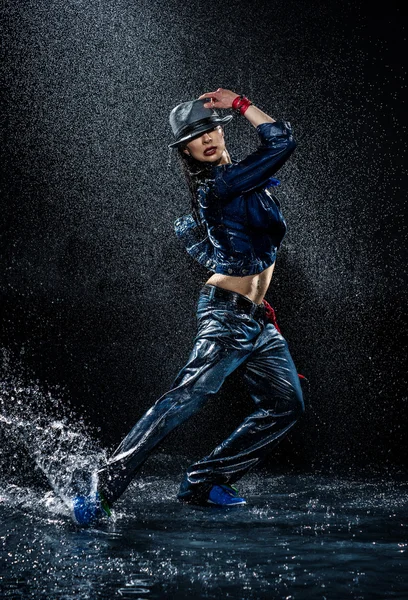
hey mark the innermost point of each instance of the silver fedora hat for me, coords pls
(191, 118)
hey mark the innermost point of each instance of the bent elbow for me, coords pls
(291, 144)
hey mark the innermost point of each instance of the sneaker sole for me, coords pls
(232, 503)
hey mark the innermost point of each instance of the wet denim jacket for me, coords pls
(243, 222)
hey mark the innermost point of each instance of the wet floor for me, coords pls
(300, 536)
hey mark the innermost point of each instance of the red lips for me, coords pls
(210, 150)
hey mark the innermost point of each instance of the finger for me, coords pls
(209, 95)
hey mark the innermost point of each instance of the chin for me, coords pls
(211, 159)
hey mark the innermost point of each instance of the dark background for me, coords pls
(98, 299)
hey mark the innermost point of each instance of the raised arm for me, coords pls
(254, 171)
(224, 98)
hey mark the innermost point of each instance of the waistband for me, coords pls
(241, 302)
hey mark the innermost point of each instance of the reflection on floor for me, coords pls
(300, 536)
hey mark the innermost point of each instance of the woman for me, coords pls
(234, 230)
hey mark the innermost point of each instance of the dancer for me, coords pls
(235, 229)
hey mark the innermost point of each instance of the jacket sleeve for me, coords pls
(277, 144)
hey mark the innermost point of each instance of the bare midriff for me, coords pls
(253, 287)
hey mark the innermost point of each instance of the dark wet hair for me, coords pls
(195, 173)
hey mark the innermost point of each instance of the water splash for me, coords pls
(44, 428)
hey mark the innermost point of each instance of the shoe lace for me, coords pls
(104, 504)
(230, 490)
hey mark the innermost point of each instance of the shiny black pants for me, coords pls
(230, 334)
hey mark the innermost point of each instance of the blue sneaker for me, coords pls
(89, 509)
(225, 495)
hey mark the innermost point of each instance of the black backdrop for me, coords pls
(98, 298)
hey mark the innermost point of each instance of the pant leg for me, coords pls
(274, 386)
(209, 363)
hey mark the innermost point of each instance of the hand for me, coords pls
(219, 99)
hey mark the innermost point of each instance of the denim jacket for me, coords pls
(243, 222)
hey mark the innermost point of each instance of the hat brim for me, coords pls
(202, 129)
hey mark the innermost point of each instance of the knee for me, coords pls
(291, 404)
(182, 402)
(300, 406)
(298, 403)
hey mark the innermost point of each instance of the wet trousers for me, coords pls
(232, 331)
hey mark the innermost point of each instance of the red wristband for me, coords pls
(240, 104)
(236, 102)
(244, 105)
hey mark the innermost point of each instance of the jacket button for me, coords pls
(229, 271)
(244, 271)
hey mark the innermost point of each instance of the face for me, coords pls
(209, 147)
